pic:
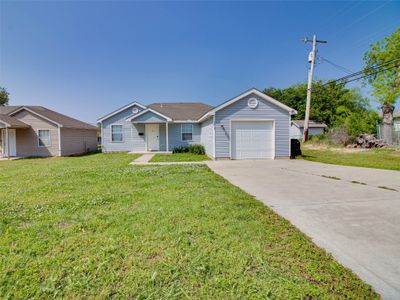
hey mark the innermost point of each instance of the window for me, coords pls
(116, 133)
(187, 132)
(44, 137)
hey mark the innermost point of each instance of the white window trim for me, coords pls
(42, 129)
(111, 133)
(182, 140)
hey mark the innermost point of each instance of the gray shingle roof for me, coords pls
(54, 116)
(12, 122)
(181, 111)
(311, 124)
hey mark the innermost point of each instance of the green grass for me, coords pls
(178, 157)
(375, 158)
(95, 227)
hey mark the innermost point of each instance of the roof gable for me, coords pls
(245, 94)
(149, 114)
(12, 122)
(54, 117)
(120, 110)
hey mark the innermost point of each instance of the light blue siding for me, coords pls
(162, 138)
(207, 136)
(149, 117)
(175, 135)
(240, 111)
(131, 139)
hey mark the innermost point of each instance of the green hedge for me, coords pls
(194, 149)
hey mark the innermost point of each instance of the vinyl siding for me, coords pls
(149, 117)
(297, 133)
(240, 111)
(78, 141)
(207, 136)
(27, 139)
(131, 139)
(175, 135)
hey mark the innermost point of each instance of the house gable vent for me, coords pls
(252, 103)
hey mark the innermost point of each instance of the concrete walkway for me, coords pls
(354, 213)
(145, 160)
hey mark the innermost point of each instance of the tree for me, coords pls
(332, 104)
(3, 96)
(386, 83)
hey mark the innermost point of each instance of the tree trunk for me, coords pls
(387, 124)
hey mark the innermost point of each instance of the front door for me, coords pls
(152, 137)
(12, 139)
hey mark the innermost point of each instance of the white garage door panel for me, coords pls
(252, 140)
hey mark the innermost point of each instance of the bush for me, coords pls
(180, 149)
(340, 135)
(194, 149)
(197, 149)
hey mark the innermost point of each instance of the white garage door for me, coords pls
(252, 140)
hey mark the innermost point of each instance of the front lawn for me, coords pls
(374, 158)
(178, 157)
(97, 227)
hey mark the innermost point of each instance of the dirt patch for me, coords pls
(333, 148)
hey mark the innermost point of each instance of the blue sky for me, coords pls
(87, 58)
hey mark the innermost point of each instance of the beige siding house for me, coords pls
(29, 131)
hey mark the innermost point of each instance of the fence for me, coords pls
(395, 135)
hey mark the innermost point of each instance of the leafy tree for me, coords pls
(385, 84)
(332, 104)
(3, 96)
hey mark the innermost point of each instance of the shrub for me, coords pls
(340, 135)
(181, 149)
(194, 149)
(197, 149)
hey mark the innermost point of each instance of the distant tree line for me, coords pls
(332, 104)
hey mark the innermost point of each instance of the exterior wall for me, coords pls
(207, 136)
(175, 135)
(78, 141)
(297, 133)
(240, 111)
(132, 141)
(27, 139)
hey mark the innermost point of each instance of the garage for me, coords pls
(252, 140)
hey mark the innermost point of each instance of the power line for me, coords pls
(371, 74)
(365, 71)
(357, 75)
(339, 67)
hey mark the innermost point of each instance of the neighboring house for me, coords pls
(28, 131)
(249, 126)
(314, 128)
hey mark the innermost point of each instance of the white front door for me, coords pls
(12, 139)
(252, 140)
(152, 137)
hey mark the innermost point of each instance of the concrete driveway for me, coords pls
(354, 213)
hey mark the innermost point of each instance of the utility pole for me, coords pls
(311, 59)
